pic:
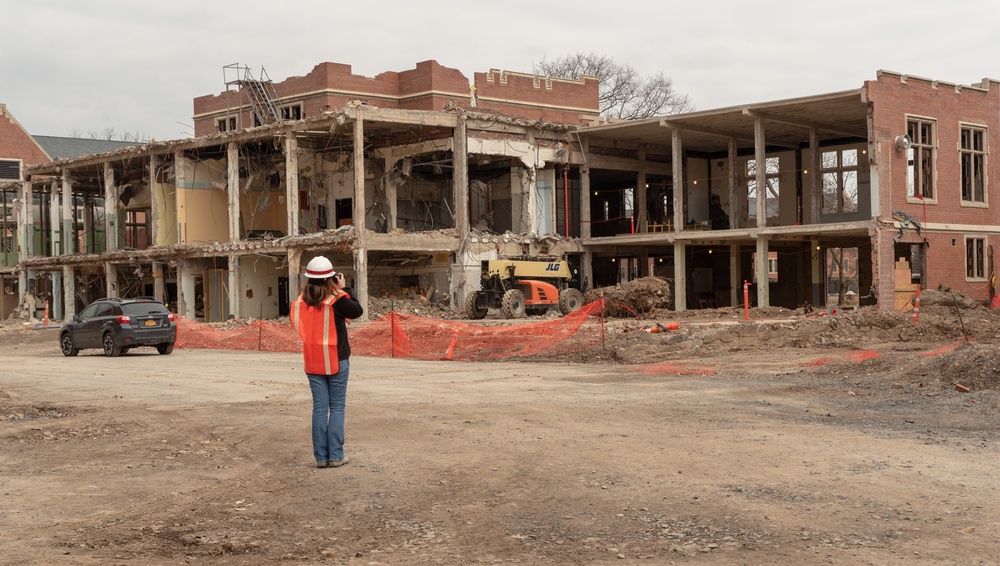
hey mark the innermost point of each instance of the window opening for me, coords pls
(973, 159)
(291, 112)
(920, 158)
(840, 181)
(772, 169)
(975, 259)
(137, 229)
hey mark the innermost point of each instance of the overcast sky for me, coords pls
(72, 66)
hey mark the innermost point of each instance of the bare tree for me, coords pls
(624, 93)
(111, 134)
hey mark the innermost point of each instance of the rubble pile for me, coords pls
(637, 297)
(407, 301)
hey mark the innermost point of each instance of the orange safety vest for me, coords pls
(319, 334)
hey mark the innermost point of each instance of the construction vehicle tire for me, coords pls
(570, 300)
(513, 304)
(472, 310)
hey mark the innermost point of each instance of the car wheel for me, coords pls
(110, 348)
(66, 344)
(164, 348)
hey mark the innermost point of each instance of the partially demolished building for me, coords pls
(411, 179)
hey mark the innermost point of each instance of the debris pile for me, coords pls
(412, 301)
(635, 298)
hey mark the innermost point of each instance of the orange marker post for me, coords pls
(746, 300)
(46, 321)
(916, 305)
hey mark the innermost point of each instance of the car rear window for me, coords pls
(139, 309)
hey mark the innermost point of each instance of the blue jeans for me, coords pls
(329, 393)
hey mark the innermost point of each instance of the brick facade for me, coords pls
(15, 143)
(946, 219)
(531, 96)
(429, 86)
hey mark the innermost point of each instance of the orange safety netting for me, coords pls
(405, 336)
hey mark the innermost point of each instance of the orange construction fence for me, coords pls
(406, 336)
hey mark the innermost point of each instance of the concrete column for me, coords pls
(110, 280)
(677, 175)
(680, 276)
(110, 210)
(57, 296)
(587, 271)
(763, 286)
(180, 182)
(22, 289)
(180, 307)
(815, 179)
(642, 195)
(816, 255)
(735, 281)
(68, 236)
(69, 291)
(585, 196)
(361, 242)
(737, 194)
(159, 289)
(391, 198)
(294, 274)
(186, 288)
(760, 158)
(234, 285)
(460, 178)
(154, 204)
(532, 201)
(361, 280)
(55, 221)
(292, 183)
(27, 223)
(89, 240)
(233, 190)
(359, 178)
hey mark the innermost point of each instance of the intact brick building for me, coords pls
(413, 178)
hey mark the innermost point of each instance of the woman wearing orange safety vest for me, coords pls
(320, 314)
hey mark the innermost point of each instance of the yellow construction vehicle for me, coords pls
(524, 285)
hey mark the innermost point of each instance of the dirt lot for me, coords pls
(800, 440)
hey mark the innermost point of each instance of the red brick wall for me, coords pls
(896, 97)
(531, 96)
(892, 102)
(429, 86)
(15, 143)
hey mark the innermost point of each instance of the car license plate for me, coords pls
(150, 323)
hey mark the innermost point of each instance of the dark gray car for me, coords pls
(117, 325)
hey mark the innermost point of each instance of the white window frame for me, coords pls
(918, 145)
(983, 153)
(978, 258)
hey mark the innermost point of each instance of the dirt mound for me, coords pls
(637, 297)
(976, 366)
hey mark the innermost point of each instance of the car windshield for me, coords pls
(139, 309)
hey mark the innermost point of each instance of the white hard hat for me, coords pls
(319, 268)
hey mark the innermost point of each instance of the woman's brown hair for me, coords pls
(317, 290)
